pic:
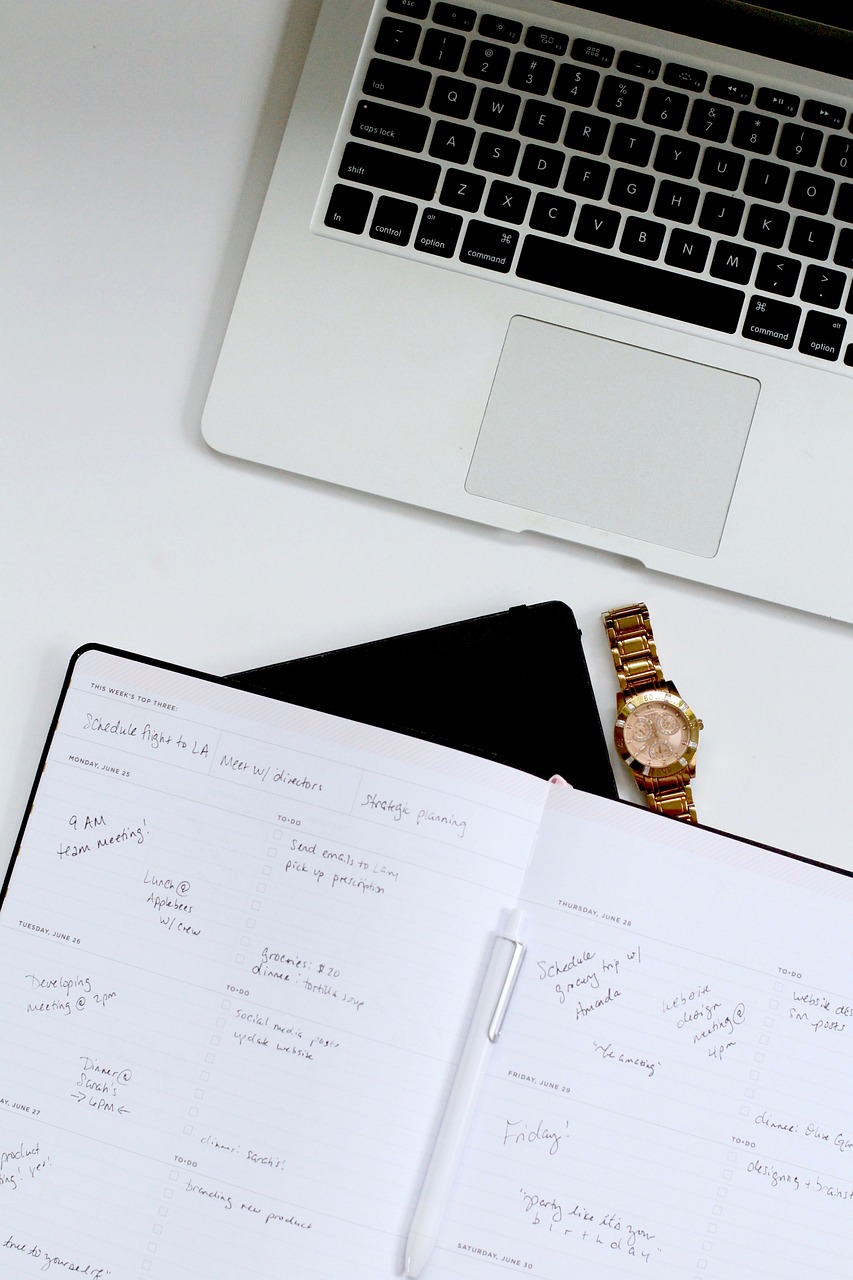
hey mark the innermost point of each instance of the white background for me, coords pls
(136, 140)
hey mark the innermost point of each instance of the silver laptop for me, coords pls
(550, 269)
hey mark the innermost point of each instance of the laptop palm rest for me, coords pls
(613, 436)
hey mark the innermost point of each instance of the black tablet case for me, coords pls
(510, 686)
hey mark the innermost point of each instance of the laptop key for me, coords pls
(630, 284)
(813, 193)
(487, 61)
(404, 175)
(390, 126)
(722, 213)
(452, 141)
(552, 214)
(530, 73)
(771, 322)
(493, 28)
(496, 154)
(397, 38)
(461, 190)
(732, 90)
(438, 233)
(393, 220)
(799, 145)
(685, 77)
(642, 238)
(396, 83)
(348, 209)
(452, 97)
(766, 226)
(777, 274)
(620, 97)
(823, 287)
(784, 104)
(542, 120)
(811, 239)
(766, 181)
(576, 84)
(451, 15)
(710, 120)
(665, 108)
(676, 156)
(755, 133)
(838, 156)
(732, 262)
(589, 51)
(586, 177)
(687, 249)
(630, 190)
(676, 201)
(721, 169)
(831, 117)
(597, 226)
(442, 50)
(488, 245)
(498, 109)
(507, 202)
(631, 144)
(822, 336)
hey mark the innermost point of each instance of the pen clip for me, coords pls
(506, 990)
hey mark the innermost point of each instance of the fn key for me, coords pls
(348, 209)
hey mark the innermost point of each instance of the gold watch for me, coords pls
(656, 733)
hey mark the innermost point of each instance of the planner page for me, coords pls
(672, 1092)
(238, 953)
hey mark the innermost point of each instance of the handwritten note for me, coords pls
(225, 937)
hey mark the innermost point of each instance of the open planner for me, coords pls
(240, 944)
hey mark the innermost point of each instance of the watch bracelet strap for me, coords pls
(632, 644)
(673, 797)
(635, 657)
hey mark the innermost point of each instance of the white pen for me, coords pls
(501, 974)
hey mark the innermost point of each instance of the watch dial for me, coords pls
(656, 734)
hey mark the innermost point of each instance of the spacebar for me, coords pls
(630, 284)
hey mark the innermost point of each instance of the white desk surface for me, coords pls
(136, 141)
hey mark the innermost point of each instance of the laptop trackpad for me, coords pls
(613, 436)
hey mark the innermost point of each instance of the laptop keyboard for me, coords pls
(481, 141)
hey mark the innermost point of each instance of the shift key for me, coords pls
(405, 175)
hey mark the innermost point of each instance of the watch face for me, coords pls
(657, 734)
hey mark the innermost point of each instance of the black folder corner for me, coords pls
(510, 686)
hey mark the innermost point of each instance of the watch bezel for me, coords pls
(631, 702)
